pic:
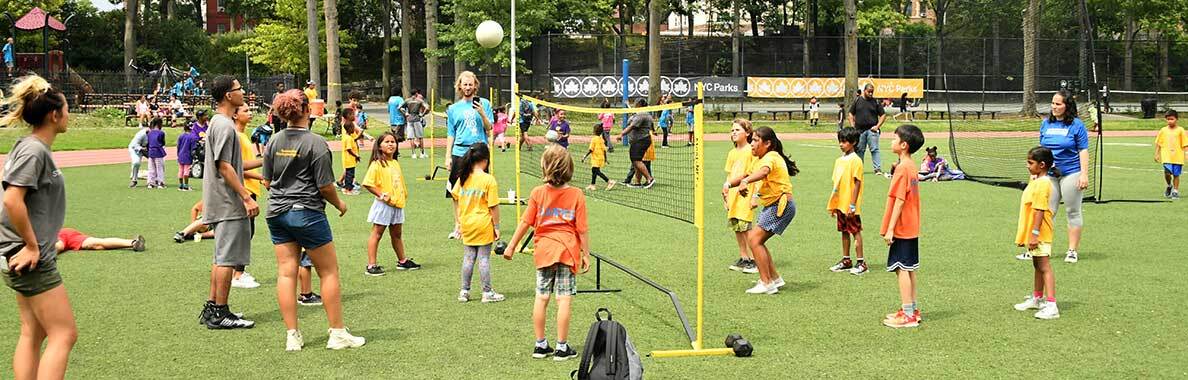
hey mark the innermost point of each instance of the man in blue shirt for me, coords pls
(395, 116)
(9, 60)
(468, 121)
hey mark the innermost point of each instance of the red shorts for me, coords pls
(72, 238)
(848, 224)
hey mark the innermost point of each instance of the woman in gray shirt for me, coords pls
(33, 212)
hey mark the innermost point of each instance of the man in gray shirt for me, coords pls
(639, 132)
(228, 205)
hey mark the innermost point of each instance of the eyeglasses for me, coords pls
(235, 89)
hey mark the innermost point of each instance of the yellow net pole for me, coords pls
(515, 108)
(432, 126)
(699, 207)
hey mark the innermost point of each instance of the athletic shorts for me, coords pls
(233, 242)
(776, 224)
(397, 129)
(36, 281)
(639, 148)
(904, 254)
(848, 224)
(308, 228)
(183, 171)
(738, 225)
(524, 127)
(1042, 250)
(72, 239)
(556, 279)
(414, 130)
(1173, 169)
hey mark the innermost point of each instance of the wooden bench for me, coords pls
(978, 113)
(776, 113)
(734, 114)
(928, 114)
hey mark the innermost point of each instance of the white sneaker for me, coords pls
(341, 338)
(1023, 256)
(778, 283)
(294, 341)
(1071, 256)
(197, 237)
(245, 282)
(761, 288)
(491, 296)
(1048, 311)
(463, 296)
(1028, 303)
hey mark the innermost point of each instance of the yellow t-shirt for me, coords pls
(650, 154)
(846, 169)
(1171, 145)
(350, 144)
(777, 182)
(597, 152)
(311, 94)
(252, 185)
(738, 163)
(388, 179)
(475, 199)
(1035, 197)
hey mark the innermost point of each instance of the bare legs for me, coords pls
(46, 317)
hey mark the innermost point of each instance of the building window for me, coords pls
(221, 6)
(222, 28)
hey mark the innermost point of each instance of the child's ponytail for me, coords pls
(767, 134)
(31, 101)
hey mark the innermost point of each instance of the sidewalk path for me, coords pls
(120, 156)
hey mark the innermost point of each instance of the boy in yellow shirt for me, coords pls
(1169, 150)
(846, 201)
(350, 151)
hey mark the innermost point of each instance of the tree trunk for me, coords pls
(231, 23)
(1164, 46)
(1128, 54)
(333, 73)
(690, 18)
(654, 14)
(809, 32)
(198, 12)
(459, 67)
(754, 23)
(899, 46)
(851, 52)
(996, 57)
(431, 87)
(1030, 24)
(386, 69)
(598, 42)
(129, 38)
(311, 36)
(406, 30)
(169, 6)
(1082, 47)
(735, 43)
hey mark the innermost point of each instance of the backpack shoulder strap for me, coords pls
(583, 371)
(612, 343)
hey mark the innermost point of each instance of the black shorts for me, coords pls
(524, 127)
(904, 254)
(639, 147)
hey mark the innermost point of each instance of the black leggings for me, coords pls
(595, 174)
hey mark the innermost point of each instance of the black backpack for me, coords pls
(608, 353)
(198, 154)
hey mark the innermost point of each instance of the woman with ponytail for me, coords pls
(33, 212)
(775, 196)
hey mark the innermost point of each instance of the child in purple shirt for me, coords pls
(185, 143)
(561, 125)
(156, 155)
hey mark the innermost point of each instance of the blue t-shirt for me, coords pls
(1066, 143)
(466, 126)
(527, 110)
(8, 53)
(193, 72)
(689, 116)
(395, 117)
(665, 119)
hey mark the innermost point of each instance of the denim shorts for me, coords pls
(309, 228)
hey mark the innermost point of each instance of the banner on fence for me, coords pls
(609, 86)
(723, 87)
(771, 87)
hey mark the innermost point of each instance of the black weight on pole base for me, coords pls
(598, 280)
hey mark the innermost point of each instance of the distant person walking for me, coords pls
(867, 116)
(9, 59)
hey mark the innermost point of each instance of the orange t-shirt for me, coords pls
(559, 218)
(905, 185)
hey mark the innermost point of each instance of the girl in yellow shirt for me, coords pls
(476, 201)
(775, 171)
(385, 180)
(598, 159)
(739, 209)
(350, 151)
(1035, 232)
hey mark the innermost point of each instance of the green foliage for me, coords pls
(178, 41)
(280, 44)
(531, 20)
(872, 21)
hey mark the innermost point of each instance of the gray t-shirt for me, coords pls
(30, 165)
(414, 107)
(642, 123)
(220, 202)
(297, 164)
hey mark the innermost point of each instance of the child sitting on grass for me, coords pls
(598, 152)
(1035, 233)
(845, 202)
(557, 213)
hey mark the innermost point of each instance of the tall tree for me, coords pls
(311, 37)
(1030, 32)
(130, 9)
(333, 71)
(431, 48)
(851, 52)
(406, 30)
(654, 15)
(1132, 29)
(387, 53)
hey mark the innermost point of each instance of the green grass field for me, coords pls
(1120, 318)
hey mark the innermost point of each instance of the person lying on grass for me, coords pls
(70, 239)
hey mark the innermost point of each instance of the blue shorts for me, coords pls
(904, 254)
(1173, 169)
(309, 228)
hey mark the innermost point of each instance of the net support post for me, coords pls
(699, 205)
(515, 109)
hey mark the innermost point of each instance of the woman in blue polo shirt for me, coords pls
(1065, 135)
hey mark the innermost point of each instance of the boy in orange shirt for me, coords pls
(845, 202)
(901, 225)
(557, 212)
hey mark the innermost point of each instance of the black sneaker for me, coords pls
(179, 237)
(138, 243)
(738, 265)
(541, 352)
(563, 355)
(408, 264)
(311, 299)
(374, 270)
(223, 319)
(1167, 192)
(206, 313)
